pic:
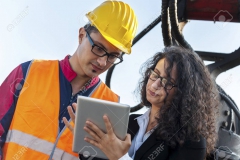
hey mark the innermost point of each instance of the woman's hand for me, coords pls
(113, 147)
(72, 116)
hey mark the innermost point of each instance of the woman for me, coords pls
(181, 120)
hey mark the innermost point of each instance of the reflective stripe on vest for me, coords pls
(33, 132)
(26, 141)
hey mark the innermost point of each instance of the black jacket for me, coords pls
(154, 149)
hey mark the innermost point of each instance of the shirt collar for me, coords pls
(144, 119)
(67, 69)
(145, 116)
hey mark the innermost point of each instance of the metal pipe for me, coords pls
(231, 104)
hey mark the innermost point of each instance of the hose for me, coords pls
(174, 24)
(165, 24)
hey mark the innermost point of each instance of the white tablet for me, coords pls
(93, 109)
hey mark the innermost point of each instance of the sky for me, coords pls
(49, 30)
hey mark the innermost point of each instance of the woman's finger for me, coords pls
(108, 125)
(71, 113)
(95, 129)
(69, 126)
(93, 134)
(96, 144)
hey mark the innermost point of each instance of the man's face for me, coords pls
(90, 64)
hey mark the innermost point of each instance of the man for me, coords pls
(35, 95)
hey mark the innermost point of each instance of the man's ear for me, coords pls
(81, 35)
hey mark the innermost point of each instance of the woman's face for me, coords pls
(156, 93)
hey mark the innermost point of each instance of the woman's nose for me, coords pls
(157, 84)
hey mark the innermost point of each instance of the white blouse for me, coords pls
(140, 137)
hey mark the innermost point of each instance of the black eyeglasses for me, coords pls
(99, 51)
(163, 81)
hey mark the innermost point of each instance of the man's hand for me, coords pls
(72, 116)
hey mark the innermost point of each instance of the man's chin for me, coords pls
(94, 73)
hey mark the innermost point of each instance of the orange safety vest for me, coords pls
(34, 130)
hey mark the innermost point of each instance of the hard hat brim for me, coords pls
(112, 40)
(116, 43)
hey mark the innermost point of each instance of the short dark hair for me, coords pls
(90, 28)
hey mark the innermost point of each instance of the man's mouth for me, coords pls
(96, 68)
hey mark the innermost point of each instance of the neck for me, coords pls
(153, 114)
(73, 60)
(152, 118)
(81, 79)
(77, 84)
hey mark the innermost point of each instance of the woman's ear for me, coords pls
(81, 35)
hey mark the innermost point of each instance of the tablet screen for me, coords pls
(93, 109)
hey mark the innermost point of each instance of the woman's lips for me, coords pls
(152, 93)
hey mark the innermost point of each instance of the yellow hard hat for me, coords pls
(117, 23)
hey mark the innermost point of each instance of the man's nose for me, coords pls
(102, 60)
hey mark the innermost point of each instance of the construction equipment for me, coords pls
(228, 127)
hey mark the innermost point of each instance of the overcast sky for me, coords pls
(49, 30)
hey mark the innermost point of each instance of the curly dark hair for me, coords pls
(192, 112)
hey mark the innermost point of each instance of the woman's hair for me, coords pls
(192, 112)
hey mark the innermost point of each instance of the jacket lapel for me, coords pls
(152, 140)
(147, 144)
(133, 126)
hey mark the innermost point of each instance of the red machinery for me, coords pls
(213, 10)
